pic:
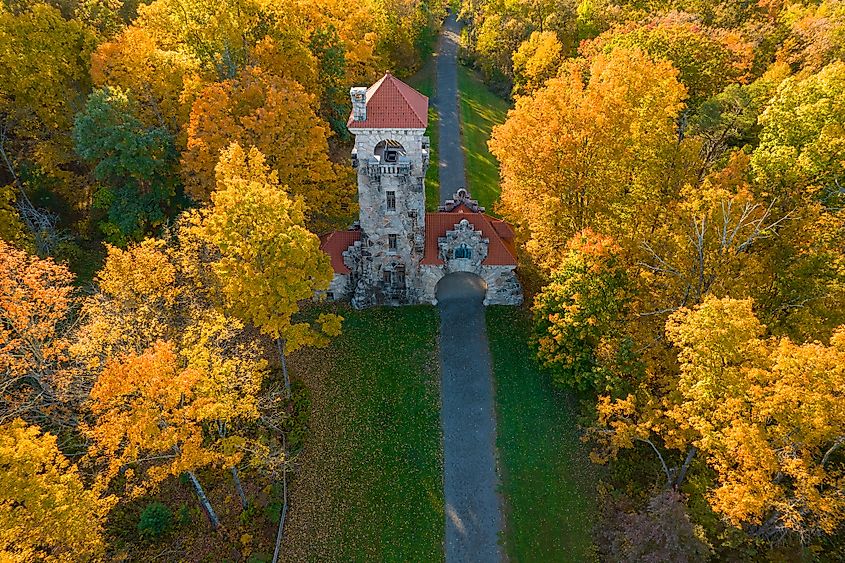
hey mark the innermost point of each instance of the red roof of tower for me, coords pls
(334, 244)
(392, 104)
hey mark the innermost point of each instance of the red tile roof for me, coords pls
(392, 104)
(500, 251)
(334, 244)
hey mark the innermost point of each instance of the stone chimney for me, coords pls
(359, 103)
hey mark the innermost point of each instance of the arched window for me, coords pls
(389, 151)
(463, 251)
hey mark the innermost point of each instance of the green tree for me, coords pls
(802, 143)
(578, 315)
(136, 165)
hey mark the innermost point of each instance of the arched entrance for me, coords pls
(461, 286)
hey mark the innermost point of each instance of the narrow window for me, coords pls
(399, 278)
(385, 276)
(391, 242)
(463, 251)
(391, 200)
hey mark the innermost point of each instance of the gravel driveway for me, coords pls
(473, 514)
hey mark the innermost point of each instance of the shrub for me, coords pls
(156, 520)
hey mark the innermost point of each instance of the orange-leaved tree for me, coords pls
(36, 300)
(148, 421)
(163, 290)
(279, 118)
(594, 148)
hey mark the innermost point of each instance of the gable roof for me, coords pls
(500, 251)
(335, 244)
(392, 104)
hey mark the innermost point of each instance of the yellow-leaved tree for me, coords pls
(46, 513)
(163, 83)
(538, 59)
(268, 261)
(44, 62)
(163, 291)
(767, 415)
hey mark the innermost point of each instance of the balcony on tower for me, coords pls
(389, 159)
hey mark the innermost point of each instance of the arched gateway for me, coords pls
(396, 253)
(463, 286)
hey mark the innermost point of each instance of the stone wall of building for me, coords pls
(393, 245)
(339, 287)
(503, 287)
(463, 238)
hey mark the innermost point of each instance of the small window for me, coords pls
(391, 242)
(399, 278)
(463, 251)
(391, 200)
(386, 276)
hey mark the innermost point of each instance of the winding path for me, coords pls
(473, 507)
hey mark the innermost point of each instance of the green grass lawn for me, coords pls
(481, 110)
(548, 480)
(423, 81)
(370, 482)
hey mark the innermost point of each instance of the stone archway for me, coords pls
(461, 286)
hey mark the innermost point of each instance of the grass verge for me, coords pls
(548, 480)
(423, 82)
(370, 482)
(481, 110)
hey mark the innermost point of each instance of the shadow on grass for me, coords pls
(481, 110)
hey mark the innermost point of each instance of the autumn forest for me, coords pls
(672, 388)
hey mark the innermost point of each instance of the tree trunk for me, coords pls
(682, 474)
(660, 457)
(280, 344)
(212, 516)
(239, 488)
(280, 531)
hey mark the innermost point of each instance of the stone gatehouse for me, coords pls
(396, 253)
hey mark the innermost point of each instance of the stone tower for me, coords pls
(391, 156)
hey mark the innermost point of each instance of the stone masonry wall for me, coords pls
(407, 221)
